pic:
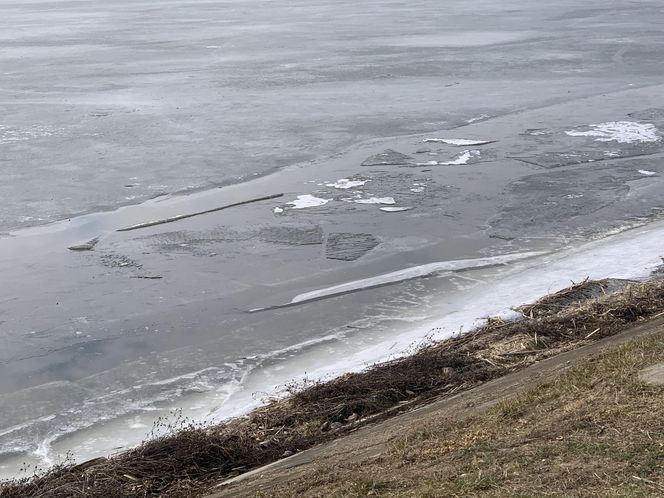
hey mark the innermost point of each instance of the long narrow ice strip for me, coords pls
(459, 142)
(410, 273)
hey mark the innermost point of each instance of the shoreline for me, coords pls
(601, 253)
(566, 320)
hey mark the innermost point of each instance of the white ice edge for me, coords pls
(459, 142)
(624, 132)
(409, 273)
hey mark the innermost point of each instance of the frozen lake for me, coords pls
(378, 163)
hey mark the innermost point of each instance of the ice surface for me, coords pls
(625, 132)
(463, 158)
(345, 183)
(376, 200)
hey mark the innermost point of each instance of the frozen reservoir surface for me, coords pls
(203, 201)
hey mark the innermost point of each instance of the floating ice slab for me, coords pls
(345, 183)
(459, 142)
(376, 200)
(624, 132)
(396, 209)
(307, 201)
(647, 173)
(410, 273)
(463, 158)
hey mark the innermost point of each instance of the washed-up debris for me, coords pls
(87, 246)
(119, 261)
(191, 215)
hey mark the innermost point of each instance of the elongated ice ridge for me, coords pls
(459, 142)
(410, 273)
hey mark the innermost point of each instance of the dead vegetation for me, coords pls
(189, 459)
(594, 431)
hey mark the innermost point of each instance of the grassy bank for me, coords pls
(191, 459)
(596, 431)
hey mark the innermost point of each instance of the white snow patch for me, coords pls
(624, 132)
(278, 210)
(428, 163)
(410, 273)
(376, 200)
(647, 172)
(417, 190)
(307, 201)
(459, 142)
(396, 209)
(345, 183)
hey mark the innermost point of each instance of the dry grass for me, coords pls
(595, 431)
(188, 460)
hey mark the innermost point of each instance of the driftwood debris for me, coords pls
(191, 215)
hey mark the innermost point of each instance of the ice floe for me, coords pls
(278, 210)
(459, 142)
(345, 183)
(647, 172)
(376, 200)
(396, 209)
(410, 273)
(463, 158)
(307, 201)
(625, 132)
